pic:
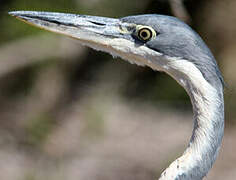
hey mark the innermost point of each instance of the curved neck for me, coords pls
(208, 108)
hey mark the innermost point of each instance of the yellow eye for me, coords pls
(145, 33)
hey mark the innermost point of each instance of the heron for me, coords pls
(163, 43)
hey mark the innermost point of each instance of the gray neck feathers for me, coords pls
(208, 109)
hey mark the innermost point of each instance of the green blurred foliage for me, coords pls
(95, 125)
(38, 129)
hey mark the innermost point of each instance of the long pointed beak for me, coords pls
(82, 27)
(101, 33)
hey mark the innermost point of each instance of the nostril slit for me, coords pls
(97, 23)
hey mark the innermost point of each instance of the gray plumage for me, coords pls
(166, 44)
(177, 39)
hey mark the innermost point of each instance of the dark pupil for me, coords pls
(144, 34)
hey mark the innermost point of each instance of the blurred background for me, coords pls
(68, 112)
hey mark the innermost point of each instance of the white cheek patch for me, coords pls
(127, 50)
(123, 48)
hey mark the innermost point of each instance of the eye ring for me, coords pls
(145, 33)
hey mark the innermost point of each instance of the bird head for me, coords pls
(163, 43)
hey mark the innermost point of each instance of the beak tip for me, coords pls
(19, 13)
(14, 13)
